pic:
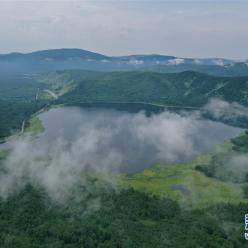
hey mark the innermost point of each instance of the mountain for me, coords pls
(53, 54)
(61, 59)
(48, 60)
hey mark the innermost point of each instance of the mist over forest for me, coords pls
(123, 124)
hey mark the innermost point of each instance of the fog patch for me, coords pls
(232, 167)
(77, 142)
(57, 168)
(224, 110)
(238, 166)
(176, 61)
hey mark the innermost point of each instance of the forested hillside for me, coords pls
(13, 114)
(181, 89)
(126, 219)
(18, 101)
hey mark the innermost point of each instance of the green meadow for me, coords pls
(35, 126)
(183, 183)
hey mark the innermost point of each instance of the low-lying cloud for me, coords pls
(221, 109)
(105, 141)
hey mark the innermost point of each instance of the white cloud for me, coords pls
(106, 141)
(176, 61)
(197, 61)
(219, 62)
(225, 110)
(135, 62)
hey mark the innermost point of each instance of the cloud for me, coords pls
(177, 61)
(221, 109)
(219, 62)
(197, 61)
(238, 166)
(104, 142)
(135, 62)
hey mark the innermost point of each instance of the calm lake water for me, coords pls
(129, 141)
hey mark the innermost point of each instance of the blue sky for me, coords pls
(187, 28)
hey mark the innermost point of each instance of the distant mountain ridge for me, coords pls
(66, 58)
(55, 54)
(69, 53)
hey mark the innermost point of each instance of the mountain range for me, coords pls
(60, 59)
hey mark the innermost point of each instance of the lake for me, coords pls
(129, 141)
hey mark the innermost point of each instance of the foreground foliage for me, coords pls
(126, 219)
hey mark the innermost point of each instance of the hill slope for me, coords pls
(187, 88)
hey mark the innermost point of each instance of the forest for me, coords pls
(13, 114)
(128, 218)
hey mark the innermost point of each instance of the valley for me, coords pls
(130, 158)
(123, 124)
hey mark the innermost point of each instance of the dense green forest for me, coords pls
(19, 87)
(14, 113)
(17, 101)
(125, 219)
(181, 89)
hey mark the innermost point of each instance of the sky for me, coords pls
(184, 28)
